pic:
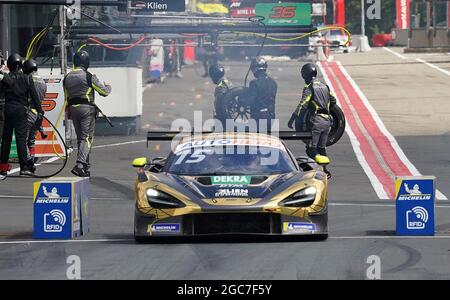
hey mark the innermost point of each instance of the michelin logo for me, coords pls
(53, 194)
(54, 221)
(416, 218)
(414, 193)
(166, 227)
(299, 227)
(52, 197)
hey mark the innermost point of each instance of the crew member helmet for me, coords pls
(81, 59)
(14, 62)
(258, 66)
(216, 72)
(309, 71)
(29, 66)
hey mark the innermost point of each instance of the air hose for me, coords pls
(66, 150)
(258, 20)
(327, 28)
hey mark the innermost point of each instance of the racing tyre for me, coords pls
(234, 107)
(220, 108)
(337, 126)
(321, 237)
(140, 239)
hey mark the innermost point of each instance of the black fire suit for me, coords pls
(261, 95)
(18, 88)
(33, 118)
(2, 108)
(318, 99)
(220, 91)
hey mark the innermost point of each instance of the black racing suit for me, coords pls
(261, 95)
(220, 91)
(318, 99)
(34, 122)
(79, 88)
(18, 88)
(2, 108)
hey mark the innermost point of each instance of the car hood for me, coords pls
(199, 188)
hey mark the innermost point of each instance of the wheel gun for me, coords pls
(99, 111)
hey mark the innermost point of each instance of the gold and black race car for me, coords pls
(229, 183)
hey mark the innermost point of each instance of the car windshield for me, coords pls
(230, 160)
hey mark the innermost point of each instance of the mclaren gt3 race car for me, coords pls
(230, 183)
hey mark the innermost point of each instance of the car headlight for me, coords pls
(161, 200)
(302, 198)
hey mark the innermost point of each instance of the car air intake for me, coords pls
(218, 223)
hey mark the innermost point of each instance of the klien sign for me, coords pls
(403, 14)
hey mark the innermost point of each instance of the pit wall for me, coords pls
(124, 105)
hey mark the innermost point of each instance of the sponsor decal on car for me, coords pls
(298, 227)
(232, 193)
(163, 227)
(230, 180)
(264, 142)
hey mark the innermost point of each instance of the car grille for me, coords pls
(218, 223)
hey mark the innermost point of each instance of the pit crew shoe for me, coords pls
(27, 172)
(322, 160)
(80, 172)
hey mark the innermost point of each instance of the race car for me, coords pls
(234, 183)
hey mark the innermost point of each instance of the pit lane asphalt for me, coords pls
(361, 225)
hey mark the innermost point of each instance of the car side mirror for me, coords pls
(306, 163)
(139, 162)
(157, 164)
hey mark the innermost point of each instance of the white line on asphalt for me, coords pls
(384, 130)
(395, 53)
(119, 144)
(394, 237)
(50, 160)
(63, 241)
(369, 237)
(433, 66)
(376, 184)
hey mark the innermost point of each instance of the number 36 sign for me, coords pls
(285, 14)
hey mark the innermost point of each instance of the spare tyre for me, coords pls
(337, 126)
(234, 106)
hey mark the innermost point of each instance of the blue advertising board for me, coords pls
(415, 199)
(60, 208)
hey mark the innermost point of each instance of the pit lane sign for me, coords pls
(157, 6)
(415, 197)
(285, 14)
(61, 208)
